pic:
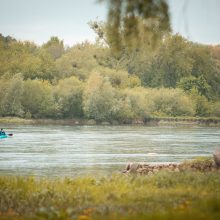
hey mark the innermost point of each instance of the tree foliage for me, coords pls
(11, 97)
(68, 94)
(38, 100)
(124, 17)
(178, 78)
(54, 47)
(99, 98)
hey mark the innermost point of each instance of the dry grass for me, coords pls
(191, 195)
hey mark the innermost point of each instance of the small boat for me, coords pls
(3, 136)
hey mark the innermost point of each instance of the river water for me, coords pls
(81, 150)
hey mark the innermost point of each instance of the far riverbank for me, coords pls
(154, 121)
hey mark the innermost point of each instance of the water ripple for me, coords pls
(77, 150)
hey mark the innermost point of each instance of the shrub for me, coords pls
(171, 102)
(68, 94)
(38, 99)
(202, 105)
(117, 78)
(141, 105)
(99, 100)
(215, 111)
(11, 95)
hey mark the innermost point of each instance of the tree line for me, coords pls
(89, 80)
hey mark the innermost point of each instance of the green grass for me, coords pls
(185, 195)
(15, 120)
(183, 120)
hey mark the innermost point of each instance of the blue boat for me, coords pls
(3, 136)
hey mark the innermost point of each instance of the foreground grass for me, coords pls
(191, 195)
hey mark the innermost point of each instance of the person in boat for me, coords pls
(2, 132)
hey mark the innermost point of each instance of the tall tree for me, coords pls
(11, 99)
(169, 64)
(68, 94)
(99, 98)
(54, 47)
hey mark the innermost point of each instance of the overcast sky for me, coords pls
(38, 20)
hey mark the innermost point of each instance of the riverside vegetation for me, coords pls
(88, 81)
(178, 78)
(164, 195)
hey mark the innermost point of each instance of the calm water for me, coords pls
(70, 151)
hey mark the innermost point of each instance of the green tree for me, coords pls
(200, 84)
(141, 105)
(171, 102)
(11, 97)
(202, 105)
(206, 65)
(169, 64)
(215, 110)
(117, 78)
(54, 47)
(13, 56)
(38, 100)
(40, 67)
(68, 94)
(99, 98)
(78, 61)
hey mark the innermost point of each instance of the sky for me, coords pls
(38, 20)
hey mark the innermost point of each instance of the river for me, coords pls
(52, 151)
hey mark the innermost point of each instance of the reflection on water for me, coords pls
(70, 151)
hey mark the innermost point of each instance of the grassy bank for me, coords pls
(191, 195)
(207, 121)
(188, 121)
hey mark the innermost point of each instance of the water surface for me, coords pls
(78, 150)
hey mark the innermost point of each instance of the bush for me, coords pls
(171, 102)
(215, 111)
(134, 81)
(38, 99)
(141, 105)
(68, 94)
(99, 98)
(11, 95)
(117, 78)
(202, 105)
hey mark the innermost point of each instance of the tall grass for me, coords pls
(191, 195)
